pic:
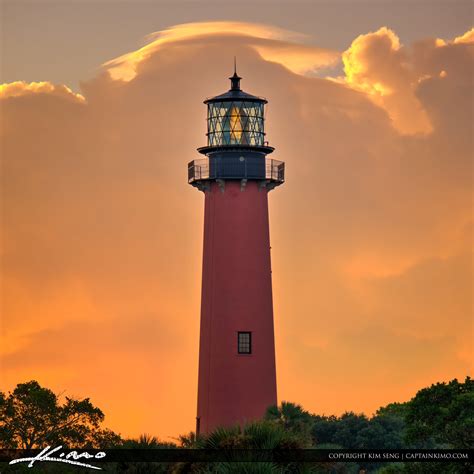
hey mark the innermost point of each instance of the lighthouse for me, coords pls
(237, 372)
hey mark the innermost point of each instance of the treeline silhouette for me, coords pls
(439, 416)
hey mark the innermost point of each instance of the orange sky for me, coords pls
(371, 234)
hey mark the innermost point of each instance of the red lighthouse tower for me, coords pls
(237, 375)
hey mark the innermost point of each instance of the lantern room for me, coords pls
(235, 118)
(235, 122)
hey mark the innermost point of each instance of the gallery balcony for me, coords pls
(256, 168)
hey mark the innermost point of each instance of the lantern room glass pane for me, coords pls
(235, 123)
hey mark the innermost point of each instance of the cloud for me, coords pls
(371, 233)
(20, 88)
(391, 74)
(377, 64)
(467, 37)
(272, 43)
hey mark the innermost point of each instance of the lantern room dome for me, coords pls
(235, 93)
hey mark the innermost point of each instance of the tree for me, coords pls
(187, 440)
(324, 429)
(255, 435)
(382, 432)
(292, 417)
(31, 417)
(349, 425)
(398, 410)
(264, 435)
(442, 416)
(146, 441)
(385, 430)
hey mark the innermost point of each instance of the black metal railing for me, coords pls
(198, 170)
(274, 170)
(248, 168)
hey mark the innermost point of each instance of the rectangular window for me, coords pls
(244, 342)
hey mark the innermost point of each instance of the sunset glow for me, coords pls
(371, 236)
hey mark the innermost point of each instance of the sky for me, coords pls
(370, 106)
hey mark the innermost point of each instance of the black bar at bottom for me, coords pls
(94, 456)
